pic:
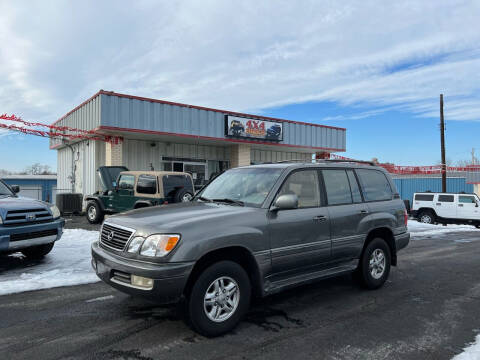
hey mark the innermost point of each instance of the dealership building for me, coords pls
(162, 135)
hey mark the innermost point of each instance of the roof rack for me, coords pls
(326, 160)
(349, 161)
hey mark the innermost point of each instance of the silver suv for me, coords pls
(255, 231)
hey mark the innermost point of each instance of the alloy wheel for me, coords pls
(377, 264)
(221, 299)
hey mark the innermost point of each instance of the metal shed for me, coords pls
(40, 187)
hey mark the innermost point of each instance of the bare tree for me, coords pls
(37, 169)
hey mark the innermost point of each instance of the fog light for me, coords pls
(142, 282)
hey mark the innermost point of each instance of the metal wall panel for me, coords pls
(258, 156)
(139, 154)
(127, 113)
(408, 186)
(86, 117)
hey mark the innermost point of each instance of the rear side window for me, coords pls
(375, 185)
(423, 197)
(147, 184)
(337, 186)
(445, 198)
(466, 199)
(172, 183)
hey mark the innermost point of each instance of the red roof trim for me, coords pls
(113, 128)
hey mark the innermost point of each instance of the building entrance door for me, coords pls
(198, 172)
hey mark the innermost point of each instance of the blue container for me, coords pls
(408, 186)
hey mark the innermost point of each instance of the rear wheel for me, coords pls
(95, 214)
(219, 298)
(375, 264)
(38, 252)
(183, 195)
(426, 217)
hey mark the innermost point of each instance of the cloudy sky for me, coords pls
(374, 67)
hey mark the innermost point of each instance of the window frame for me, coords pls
(432, 195)
(321, 192)
(443, 201)
(153, 177)
(126, 175)
(349, 186)
(359, 179)
(467, 196)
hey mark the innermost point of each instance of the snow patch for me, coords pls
(67, 264)
(418, 229)
(471, 352)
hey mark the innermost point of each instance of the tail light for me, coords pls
(405, 215)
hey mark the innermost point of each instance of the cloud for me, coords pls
(243, 55)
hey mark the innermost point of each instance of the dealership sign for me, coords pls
(253, 128)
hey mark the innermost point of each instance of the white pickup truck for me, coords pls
(446, 208)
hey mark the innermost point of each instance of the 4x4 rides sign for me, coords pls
(253, 128)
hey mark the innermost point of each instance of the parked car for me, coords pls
(446, 208)
(27, 225)
(255, 231)
(126, 190)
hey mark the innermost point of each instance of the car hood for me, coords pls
(19, 203)
(176, 216)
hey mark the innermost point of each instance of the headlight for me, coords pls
(135, 244)
(55, 212)
(159, 245)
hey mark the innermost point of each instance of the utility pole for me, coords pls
(442, 144)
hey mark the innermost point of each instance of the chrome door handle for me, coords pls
(320, 218)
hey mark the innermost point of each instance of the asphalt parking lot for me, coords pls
(429, 309)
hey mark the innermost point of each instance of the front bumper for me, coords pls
(402, 240)
(16, 238)
(169, 279)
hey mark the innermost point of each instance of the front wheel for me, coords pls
(219, 298)
(38, 252)
(94, 213)
(375, 264)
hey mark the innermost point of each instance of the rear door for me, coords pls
(346, 210)
(300, 237)
(445, 206)
(467, 207)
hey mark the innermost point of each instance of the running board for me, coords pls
(305, 278)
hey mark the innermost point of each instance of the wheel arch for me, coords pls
(386, 234)
(142, 203)
(426, 209)
(95, 199)
(238, 254)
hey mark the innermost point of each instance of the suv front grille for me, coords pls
(27, 216)
(33, 235)
(115, 237)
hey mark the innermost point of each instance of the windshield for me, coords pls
(4, 190)
(248, 185)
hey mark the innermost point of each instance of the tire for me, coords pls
(183, 195)
(38, 252)
(426, 217)
(204, 292)
(370, 270)
(94, 213)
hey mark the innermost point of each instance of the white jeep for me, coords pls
(446, 208)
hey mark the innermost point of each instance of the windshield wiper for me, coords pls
(205, 199)
(230, 201)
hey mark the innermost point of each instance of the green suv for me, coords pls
(124, 190)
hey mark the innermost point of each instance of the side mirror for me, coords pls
(286, 202)
(15, 188)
